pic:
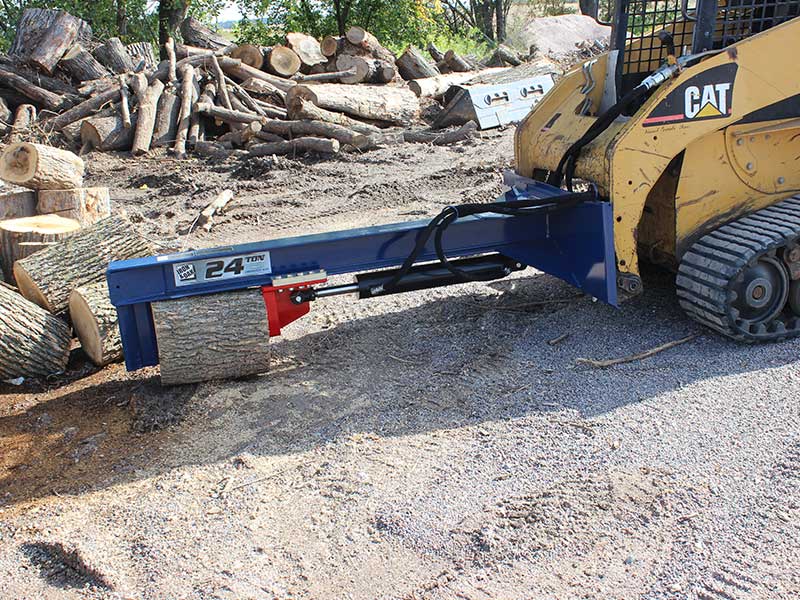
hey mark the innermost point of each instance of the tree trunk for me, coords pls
(188, 82)
(32, 27)
(33, 343)
(365, 69)
(282, 61)
(378, 102)
(239, 71)
(249, 55)
(170, 15)
(38, 95)
(213, 336)
(96, 324)
(300, 108)
(23, 119)
(85, 205)
(412, 65)
(166, 126)
(22, 237)
(47, 277)
(360, 37)
(114, 55)
(57, 39)
(197, 34)
(40, 167)
(147, 119)
(79, 63)
(307, 49)
(15, 205)
(500, 19)
(296, 146)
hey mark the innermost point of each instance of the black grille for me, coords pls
(738, 20)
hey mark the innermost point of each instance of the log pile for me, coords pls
(209, 96)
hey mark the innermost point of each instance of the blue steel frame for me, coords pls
(575, 244)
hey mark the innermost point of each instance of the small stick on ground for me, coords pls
(602, 364)
(557, 340)
(206, 218)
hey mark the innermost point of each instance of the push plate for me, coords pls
(218, 269)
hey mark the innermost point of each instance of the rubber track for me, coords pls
(708, 271)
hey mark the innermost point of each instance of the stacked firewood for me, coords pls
(213, 97)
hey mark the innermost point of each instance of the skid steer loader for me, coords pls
(681, 146)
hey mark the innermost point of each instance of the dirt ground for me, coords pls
(429, 445)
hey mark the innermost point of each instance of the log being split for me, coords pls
(79, 63)
(40, 167)
(412, 65)
(300, 108)
(107, 132)
(48, 276)
(296, 146)
(147, 118)
(188, 82)
(58, 38)
(96, 324)
(213, 336)
(33, 343)
(378, 102)
(85, 205)
(22, 237)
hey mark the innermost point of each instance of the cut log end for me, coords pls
(95, 321)
(37, 166)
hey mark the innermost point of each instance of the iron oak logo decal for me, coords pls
(708, 95)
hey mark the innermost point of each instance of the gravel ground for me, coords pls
(430, 445)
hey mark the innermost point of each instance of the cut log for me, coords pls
(361, 38)
(188, 82)
(330, 45)
(259, 86)
(87, 206)
(57, 39)
(378, 102)
(24, 118)
(84, 109)
(300, 109)
(169, 48)
(436, 54)
(98, 86)
(142, 55)
(15, 205)
(225, 115)
(240, 71)
(456, 63)
(114, 55)
(33, 343)
(442, 138)
(147, 119)
(294, 129)
(36, 94)
(107, 133)
(80, 63)
(57, 85)
(96, 323)
(197, 34)
(213, 149)
(307, 49)
(6, 117)
(138, 84)
(503, 55)
(222, 87)
(166, 126)
(124, 105)
(325, 76)
(48, 276)
(282, 61)
(22, 237)
(365, 69)
(40, 167)
(32, 27)
(296, 146)
(240, 137)
(412, 65)
(206, 217)
(249, 55)
(436, 87)
(213, 336)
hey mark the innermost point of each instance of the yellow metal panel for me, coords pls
(766, 156)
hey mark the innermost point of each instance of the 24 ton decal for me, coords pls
(708, 95)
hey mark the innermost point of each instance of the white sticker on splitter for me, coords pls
(219, 269)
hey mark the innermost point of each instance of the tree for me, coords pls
(487, 16)
(170, 15)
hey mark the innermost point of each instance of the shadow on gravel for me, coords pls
(455, 360)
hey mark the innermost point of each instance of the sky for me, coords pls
(230, 13)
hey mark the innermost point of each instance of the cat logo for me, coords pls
(708, 95)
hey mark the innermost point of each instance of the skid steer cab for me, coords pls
(677, 146)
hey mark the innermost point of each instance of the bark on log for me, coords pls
(307, 49)
(40, 167)
(456, 63)
(282, 61)
(166, 126)
(330, 45)
(332, 76)
(6, 117)
(169, 47)
(95, 321)
(87, 206)
(187, 101)
(38, 95)
(23, 120)
(412, 65)
(141, 54)
(296, 146)
(213, 149)
(84, 109)
(32, 27)
(114, 55)
(439, 138)
(98, 86)
(147, 119)
(107, 133)
(56, 85)
(300, 109)
(240, 71)
(366, 69)
(47, 277)
(249, 55)
(213, 336)
(505, 55)
(294, 129)
(228, 116)
(197, 34)
(222, 87)
(361, 38)
(57, 39)
(22, 237)
(15, 205)
(240, 137)
(124, 105)
(80, 63)
(33, 343)
(378, 102)
(436, 54)
(435, 87)
(139, 85)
